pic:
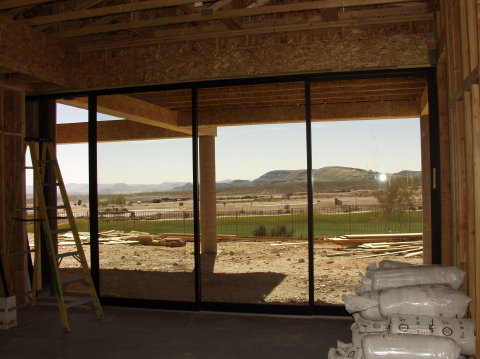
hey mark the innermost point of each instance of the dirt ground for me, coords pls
(241, 272)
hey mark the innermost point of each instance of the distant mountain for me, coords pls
(332, 177)
(333, 173)
(112, 188)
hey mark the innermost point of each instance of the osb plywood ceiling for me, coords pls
(108, 29)
(291, 94)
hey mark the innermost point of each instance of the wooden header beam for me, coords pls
(112, 131)
(137, 110)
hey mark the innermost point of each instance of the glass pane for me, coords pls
(367, 180)
(253, 184)
(145, 197)
(72, 155)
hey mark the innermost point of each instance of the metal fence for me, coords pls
(289, 222)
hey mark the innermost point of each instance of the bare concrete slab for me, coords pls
(141, 333)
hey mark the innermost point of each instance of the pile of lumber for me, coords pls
(119, 237)
(377, 245)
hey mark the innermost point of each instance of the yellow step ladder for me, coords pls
(43, 159)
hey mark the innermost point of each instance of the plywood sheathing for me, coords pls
(256, 56)
(11, 145)
(30, 52)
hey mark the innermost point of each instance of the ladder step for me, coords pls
(79, 302)
(27, 219)
(28, 167)
(74, 279)
(67, 254)
(27, 209)
(64, 230)
(63, 217)
(52, 184)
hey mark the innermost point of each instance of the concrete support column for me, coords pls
(208, 196)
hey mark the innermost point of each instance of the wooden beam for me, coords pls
(82, 6)
(219, 15)
(258, 3)
(10, 4)
(289, 114)
(133, 109)
(307, 26)
(111, 131)
(106, 11)
(25, 50)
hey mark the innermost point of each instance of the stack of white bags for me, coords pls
(405, 311)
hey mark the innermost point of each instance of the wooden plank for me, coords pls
(206, 16)
(111, 131)
(470, 201)
(219, 15)
(319, 25)
(445, 169)
(475, 91)
(399, 10)
(105, 11)
(472, 34)
(32, 53)
(426, 189)
(464, 38)
(10, 4)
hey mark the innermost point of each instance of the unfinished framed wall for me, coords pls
(457, 30)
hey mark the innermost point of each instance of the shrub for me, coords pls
(281, 230)
(260, 231)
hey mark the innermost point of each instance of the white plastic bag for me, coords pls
(371, 326)
(345, 351)
(365, 303)
(357, 335)
(432, 300)
(462, 331)
(415, 275)
(406, 346)
(389, 264)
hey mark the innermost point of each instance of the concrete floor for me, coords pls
(141, 333)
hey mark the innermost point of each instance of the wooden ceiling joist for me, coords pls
(320, 112)
(106, 11)
(10, 4)
(111, 131)
(88, 46)
(219, 15)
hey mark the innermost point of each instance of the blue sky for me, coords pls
(247, 152)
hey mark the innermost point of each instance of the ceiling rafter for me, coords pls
(225, 14)
(82, 6)
(106, 11)
(87, 47)
(10, 4)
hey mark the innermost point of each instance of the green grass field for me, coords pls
(324, 225)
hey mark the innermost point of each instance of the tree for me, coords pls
(400, 195)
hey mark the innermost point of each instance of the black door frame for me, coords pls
(311, 309)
